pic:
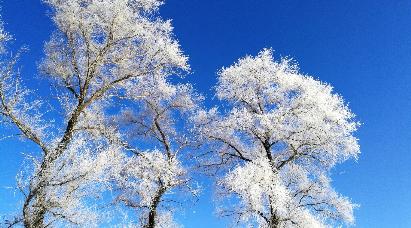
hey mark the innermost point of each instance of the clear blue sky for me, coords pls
(363, 48)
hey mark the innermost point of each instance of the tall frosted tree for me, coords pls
(100, 52)
(276, 141)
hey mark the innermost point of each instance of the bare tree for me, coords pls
(280, 136)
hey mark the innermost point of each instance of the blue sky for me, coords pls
(362, 48)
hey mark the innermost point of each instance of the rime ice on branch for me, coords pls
(278, 140)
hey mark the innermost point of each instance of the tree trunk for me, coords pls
(34, 220)
(274, 222)
(151, 219)
(151, 222)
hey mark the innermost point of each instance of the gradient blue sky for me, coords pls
(363, 48)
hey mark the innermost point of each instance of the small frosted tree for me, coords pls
(153, 181)
(100, 50)
(277, 141)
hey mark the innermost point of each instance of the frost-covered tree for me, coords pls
(101, 50)
(281, 134)
(154, 180)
